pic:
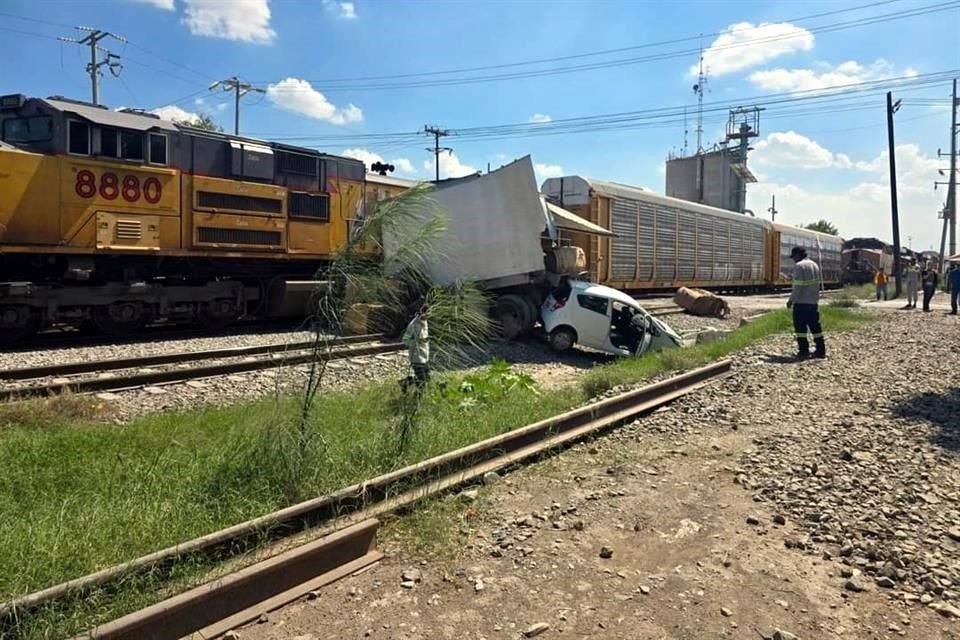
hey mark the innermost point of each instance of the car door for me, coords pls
(593, 321)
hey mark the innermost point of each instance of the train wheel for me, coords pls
(17, 322)
(120, 318)
(218, 315)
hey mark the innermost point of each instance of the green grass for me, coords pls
(627, 371)
(78, 495)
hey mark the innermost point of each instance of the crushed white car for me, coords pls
(599, 317)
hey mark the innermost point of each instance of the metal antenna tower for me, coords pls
(699, 89)
(112, 60)
(686, 131)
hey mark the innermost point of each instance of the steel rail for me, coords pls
(113, 364)
(398, 488)
(119, 382)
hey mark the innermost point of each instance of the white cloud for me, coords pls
(744, 45)
(863, 209)
(792, 150)
(539, 117)
(450, 166)
(345, 10)
(299, 96)
(545, 171)
(175, 113)
(402, 166)
(245, 20)
(166, 5)
(845, 73)
(405, 167)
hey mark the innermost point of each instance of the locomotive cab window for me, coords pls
(158, 148)
(108, 142)
(131, 145)
(78, 138)
(33, 129)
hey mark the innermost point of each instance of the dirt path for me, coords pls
(700, 517)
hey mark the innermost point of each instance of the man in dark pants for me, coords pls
(804, 300)
(953, 285)
(930, 279)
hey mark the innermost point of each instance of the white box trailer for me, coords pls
(501, 234)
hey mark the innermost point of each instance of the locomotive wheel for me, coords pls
(17, 322)
(120, 318)
(217, 315)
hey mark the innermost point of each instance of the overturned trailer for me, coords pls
(500, 233)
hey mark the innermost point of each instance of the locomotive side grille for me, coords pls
(253, 204)
(214, 235)
(128, 230)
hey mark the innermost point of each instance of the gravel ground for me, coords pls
(816, 500)
(530, 356)
(44, 356)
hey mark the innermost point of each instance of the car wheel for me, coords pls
(562, 339)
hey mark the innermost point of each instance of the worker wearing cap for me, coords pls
(804, 298)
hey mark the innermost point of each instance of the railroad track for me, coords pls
(213, 362)
(346, 518)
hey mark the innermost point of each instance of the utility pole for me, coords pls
(773, 208)
(894, 211)
(952, 188)
(437, 133)
(112, 61)
(239, 89)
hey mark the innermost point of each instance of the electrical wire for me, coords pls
(329, 85)
(601, 52)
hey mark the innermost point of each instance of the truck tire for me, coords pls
(562, 339)
(513, 315)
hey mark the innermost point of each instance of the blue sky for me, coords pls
(822, 160)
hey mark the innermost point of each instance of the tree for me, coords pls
(202, 121)
(823, 226)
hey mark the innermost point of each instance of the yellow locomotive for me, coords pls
(120, 218)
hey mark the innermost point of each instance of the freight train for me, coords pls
(661, 243)
(118, 218)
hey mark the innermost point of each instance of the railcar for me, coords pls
(826, 249)
(662, 243)
(119, 218)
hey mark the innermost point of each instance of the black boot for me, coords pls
(820, 350)
(803, 349)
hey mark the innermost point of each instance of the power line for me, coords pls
(112, 61)
(841, 97)
(328, 85)
(437, 133)
(597, 53)
(239, 89)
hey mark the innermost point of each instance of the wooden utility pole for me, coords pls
(437, 133)
(112, 61)
(773, 208)
(239, 89)
(952, 188)
(894, 211)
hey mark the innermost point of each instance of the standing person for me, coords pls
(417, 339)
(953, 286)
(880, 280)
(930, 279)
(804, 299)
(912, 278)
